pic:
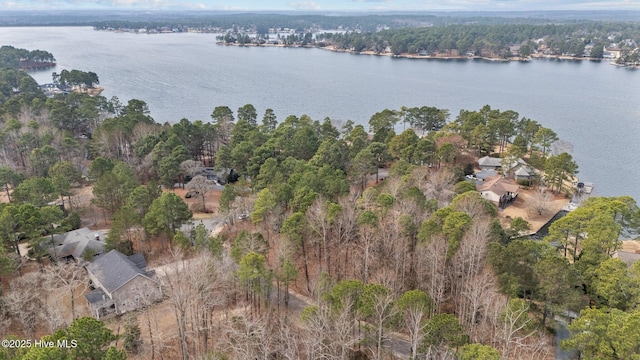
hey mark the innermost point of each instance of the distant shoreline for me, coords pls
(36, 65)
(442, 57)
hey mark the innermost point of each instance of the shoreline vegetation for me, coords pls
(496, 39)
(374, 242)
(444, 57)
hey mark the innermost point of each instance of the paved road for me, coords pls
(213, 224)
(382, 174)
(561, 334)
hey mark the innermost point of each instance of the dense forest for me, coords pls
(337, 241)
(360, 22)
(365, 23)
(12, 58)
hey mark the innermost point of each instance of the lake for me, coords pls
(592, 105)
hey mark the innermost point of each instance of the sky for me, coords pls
(324, 5)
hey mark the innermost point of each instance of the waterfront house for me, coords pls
(519, 169)
(611, 53)
(489, 163)
(51, 90)
(120, 284)
(499, 190)
(524, 172)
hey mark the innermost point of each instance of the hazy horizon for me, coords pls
(323, 5)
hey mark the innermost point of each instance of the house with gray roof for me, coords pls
(525, 173)
(121, 283)
(489, 163)
(518, 169)
(74, 245)
(484, 174)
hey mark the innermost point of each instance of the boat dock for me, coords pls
(583, 192)
(584, 187)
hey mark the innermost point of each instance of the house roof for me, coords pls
(497, 162)
(74, 243)
(524, 170)
(114, 269)
(518, 166)
(484, 174)
(138, 260)
(490, 161)
(95, 296)
(499, 186)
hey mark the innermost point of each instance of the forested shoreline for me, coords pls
(316, 255)
(433, 35)
(588, 40)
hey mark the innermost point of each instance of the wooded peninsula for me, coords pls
(424, 235)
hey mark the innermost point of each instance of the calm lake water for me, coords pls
(592, 105)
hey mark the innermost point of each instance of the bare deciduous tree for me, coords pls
(329, 332)
(205, 285)
(420, 177)
(250, 338)
(315, 321)
(191, 167)
(414, 306)
(432, 270)
(366, 247)
(200, 184)
(477, 296)
(196, 287)
(5, 320)
(287, 340)
(345, 230)
(176, 283)
(69, 277)
(24, 301)
(515, 327)
(540, 202)
(319, 219)
(380, 308)
(440, 185)
(468, 262)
